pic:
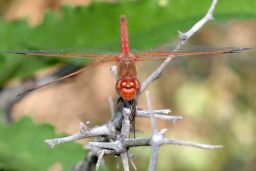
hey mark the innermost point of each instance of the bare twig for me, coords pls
(106, 129)
(146, 114)
(154, 157)
(192, 144)
(125, 132)
(155, 136)
(119, 147)
(100, 158)
(183, 37)
(152, 116)
(124, 157)
(161, 111)
(131, 160)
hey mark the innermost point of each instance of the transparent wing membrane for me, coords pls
(67, 53)
(153, 54)
(186, 48)
(90, 66)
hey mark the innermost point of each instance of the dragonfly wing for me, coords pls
(67, 53)
(92, 65)
(165, 54)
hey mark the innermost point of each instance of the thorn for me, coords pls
(163, 131)
(183, 37)
(179, 32)
(131, 160)
(174, 121)
(100, 156)
(50, 143)
(117, 163)
(83, 127)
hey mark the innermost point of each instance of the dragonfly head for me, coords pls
(128, 88)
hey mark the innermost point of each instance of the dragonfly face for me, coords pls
(128, 88)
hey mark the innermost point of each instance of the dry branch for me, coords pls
(183, 37)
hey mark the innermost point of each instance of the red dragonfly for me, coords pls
(127, 85)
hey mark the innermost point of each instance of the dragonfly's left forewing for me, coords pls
(151, 55)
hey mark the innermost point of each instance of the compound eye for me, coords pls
(137, 85)
(123, 84)
(132, 84)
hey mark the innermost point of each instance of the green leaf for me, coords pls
(22, 148)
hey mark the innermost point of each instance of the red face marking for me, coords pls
(128, 88)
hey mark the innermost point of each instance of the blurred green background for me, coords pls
(214, 94)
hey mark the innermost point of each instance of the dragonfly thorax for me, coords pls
(126, 57)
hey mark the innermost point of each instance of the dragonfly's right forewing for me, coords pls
(67, 53)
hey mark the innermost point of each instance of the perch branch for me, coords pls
(125, 132)
(126, 124)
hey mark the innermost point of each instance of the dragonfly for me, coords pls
(127, 84)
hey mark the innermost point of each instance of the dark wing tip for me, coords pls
(26, 92)
(237, 50)
(15, 52)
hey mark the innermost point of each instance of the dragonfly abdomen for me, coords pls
(124, 36)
